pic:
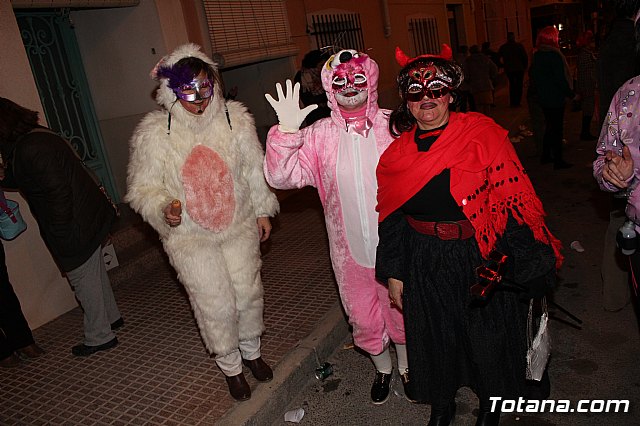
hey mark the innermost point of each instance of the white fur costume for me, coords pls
(215, 169)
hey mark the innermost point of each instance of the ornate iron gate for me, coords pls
(53, 52)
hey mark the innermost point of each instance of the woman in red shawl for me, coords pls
(450, 191)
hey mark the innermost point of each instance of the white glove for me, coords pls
(290, 116)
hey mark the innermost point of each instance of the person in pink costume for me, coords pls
(338, 155)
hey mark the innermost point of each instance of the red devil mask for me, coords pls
(432, 76)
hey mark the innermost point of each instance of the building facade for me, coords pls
(113, 44)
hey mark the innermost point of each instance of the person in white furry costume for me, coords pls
(205, 153)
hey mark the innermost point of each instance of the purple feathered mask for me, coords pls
(177, 76)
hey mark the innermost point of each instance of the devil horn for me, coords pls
(445, 52)
(401, 58)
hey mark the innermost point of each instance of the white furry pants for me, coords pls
(224, 285)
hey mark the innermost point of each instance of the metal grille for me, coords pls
(51, 46)
(424, 36)
(341, 30)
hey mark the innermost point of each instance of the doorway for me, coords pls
(52, 48)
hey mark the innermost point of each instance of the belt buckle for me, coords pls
(448, 222)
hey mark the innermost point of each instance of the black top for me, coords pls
(434, 202)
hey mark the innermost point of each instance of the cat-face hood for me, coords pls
(166, 97)
(350, 62)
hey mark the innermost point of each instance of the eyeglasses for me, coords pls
(416, 92)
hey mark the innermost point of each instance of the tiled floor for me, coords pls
(160, 373)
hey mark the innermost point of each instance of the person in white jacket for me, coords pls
(204, 152)
(338, 155)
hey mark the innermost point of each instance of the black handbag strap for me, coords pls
(88, 169)
(5, 207)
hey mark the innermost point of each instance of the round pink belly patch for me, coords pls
(208, 187)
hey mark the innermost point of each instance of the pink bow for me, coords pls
(359, 125)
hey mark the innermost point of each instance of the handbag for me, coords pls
(11, 222)
(539, 347)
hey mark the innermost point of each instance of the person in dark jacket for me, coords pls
(16, 340)
(480, 74)
(515, 61)
(618, 58)
(491, 54)
(586, 81)
(73, 214)
(311, 90)
(553, 84)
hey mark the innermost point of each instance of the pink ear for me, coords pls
(401, 58)
(445, 52)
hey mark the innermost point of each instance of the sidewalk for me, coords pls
(160, 372)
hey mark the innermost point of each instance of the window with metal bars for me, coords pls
(423, 33)
(248, 31)
(341, 30)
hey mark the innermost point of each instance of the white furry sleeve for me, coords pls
(147, 192)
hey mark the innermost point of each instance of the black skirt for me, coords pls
(452, 342)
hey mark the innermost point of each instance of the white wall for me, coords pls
(44, 294)
(119, 47)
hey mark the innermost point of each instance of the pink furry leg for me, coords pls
(360, 298)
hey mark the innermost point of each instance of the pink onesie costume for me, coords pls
(340, 160)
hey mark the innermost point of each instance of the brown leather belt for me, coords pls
(445, 230)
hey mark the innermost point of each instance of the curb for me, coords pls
(269, 400)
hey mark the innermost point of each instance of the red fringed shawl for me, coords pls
(487, 179)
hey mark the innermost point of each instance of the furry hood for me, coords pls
(372, 72)
(168, 99)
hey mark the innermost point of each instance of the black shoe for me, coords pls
(442, 415)
(545, 160)
(117, 324)
(562, 165)
(238, 387)
(404, 378)
(84, 350)
(30, 352)
(380, 388)
(12, 361)
(260, 370)
(488, 418)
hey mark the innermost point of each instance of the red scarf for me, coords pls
(487, 179)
